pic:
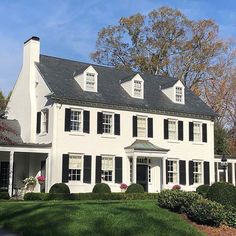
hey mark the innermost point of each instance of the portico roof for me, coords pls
(145, 145)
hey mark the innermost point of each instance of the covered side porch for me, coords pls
(147, 165)
(20, 161)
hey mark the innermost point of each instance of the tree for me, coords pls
(2, 101)
(221, 140)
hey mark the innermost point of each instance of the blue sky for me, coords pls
(68, 28)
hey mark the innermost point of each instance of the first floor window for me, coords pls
(141, 126)
(172, 129)
(149, 172)
(75, 167)
(107, 168)
(197, 172)
(197, 132)
(131, 170)
(172, 171)
(107, 123)
(76, 121)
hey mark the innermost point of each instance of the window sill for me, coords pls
(42, 134)
(73, 183)
(73, 133)
(173, 141)
(198, 143)
(108, 136)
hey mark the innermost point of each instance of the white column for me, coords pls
(233, 172)
(48, 172)
(11, 160)
(163, 173)
(134, 167)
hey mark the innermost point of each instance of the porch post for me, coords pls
(163, 172)
(134, 167)
(48, 173)
(11, 161)
(233, 173)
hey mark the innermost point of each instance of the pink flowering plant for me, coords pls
(176, 187)
(123, 186)
(41, 178)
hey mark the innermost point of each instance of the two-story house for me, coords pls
(83, 124)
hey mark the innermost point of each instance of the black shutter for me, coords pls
(118, 170)
(167, 172)
(117, 124)
(180, 130)
(65, 168)
(190, 131)
(182, 172)
(230, 180)
(47, 120)
(99, 122)
(98, 169)
(190, 173)
(166, 129)
(86, 127)
(150, 128)
(204, 132)
(87, 169)
(216, 170)
(67, 119)
(134, 126)
(38, 125)
(206, 172)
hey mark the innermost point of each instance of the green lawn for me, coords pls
(92, 218)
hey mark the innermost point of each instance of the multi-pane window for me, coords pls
(172, 171)
(178, 94)
(197, 132)
(76, 121)
(131, 170)
(90, 81)
(149, 172)
(172, 127)
(197, 172)
(137, 88)
(75, 167)
(44, 115)
(107, 123)
(107, 168)
(141, 126)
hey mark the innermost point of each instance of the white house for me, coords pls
(83, 124)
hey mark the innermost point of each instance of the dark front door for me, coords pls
(142, 176)
(4, 175)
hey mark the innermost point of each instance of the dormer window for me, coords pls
(137, 88)
(90, 81)
(179, 94)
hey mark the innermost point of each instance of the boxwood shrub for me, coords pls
(223, 193)
(101, 188)
(4, 196)
(35, 196)
(135, 188)
(230, 217)
(59, 188)
(203, 190)
(206, 212)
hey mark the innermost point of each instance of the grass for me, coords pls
(92, 218)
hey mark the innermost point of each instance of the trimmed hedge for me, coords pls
(206, 212)
(223, 193)
(89, 196)
(135, 188)
(4, 196)
(203, 190)
(101, 188)
(60, 188)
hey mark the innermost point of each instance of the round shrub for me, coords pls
(101, 188)
(59, 188)
(187, 200)
(203, 190)
(223, 193)
(206, 212)
(135, 188)
(230, 217)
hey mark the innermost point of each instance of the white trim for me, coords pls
(75, 182)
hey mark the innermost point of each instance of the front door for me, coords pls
(43, 173)
(4, 175)
(142, 176)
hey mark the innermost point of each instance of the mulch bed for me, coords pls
(223, 230)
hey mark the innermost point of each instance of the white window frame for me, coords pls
(112, 128)
(174, 172)
(179, 94)
(146, 126)
(176, 129)
(200, 132)
(44, 121)
(198, 173)
(88, 75)
(81, 170)
(113, 169)
(81, 121)
(139, 89)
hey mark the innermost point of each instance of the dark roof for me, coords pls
(28, 145)
(59, 76)
(145, 145)
(10, 132)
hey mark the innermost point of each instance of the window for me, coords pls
(172, 171)
(141, 126)
(137, 89)
(76, 121)
(197, 172)
(130, 170)
(107, 168)
(149, 172)
(197, 132)
(75, 167)
(172, 125)
(90, 81)
(44, 114)
(107, 123)
(179, 94)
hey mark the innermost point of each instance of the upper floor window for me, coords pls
(90, 81)
(138, 89)
(141, 126)
(75, 167)
(197, 172)
(179, 94)
(76, 121)
(172, 129)
(107, 123)
(44, 114)
(196, 132)
(107, 168)
(172, 171)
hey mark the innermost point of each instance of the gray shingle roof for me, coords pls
(59, 76)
